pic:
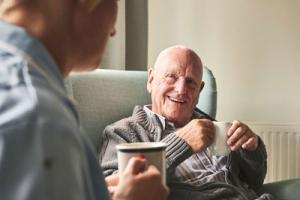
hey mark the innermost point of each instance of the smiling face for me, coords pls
(175, 83)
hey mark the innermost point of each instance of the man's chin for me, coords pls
(178, 120)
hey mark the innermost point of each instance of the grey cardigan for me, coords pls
(246, 168)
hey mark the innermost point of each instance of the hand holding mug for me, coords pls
(241, 136)
(140, 182)
(198, 133)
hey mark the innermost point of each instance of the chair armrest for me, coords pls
(283, 190)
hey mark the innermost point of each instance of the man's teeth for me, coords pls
(176, 100)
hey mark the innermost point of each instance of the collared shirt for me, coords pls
(43, 154)
(200, 168)
(164, 122)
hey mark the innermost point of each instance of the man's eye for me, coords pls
(170, 78)
(191, 84)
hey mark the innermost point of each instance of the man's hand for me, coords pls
(198, 133)
(139, 181)
(241, 136)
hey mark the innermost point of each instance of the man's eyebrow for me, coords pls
(190, 78)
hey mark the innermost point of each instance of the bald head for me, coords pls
(180, 54)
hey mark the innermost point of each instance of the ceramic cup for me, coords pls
(154, 153)
(219, 146)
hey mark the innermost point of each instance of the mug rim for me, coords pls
(141, 147)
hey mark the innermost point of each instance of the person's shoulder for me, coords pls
(27, 96)
(18, 99)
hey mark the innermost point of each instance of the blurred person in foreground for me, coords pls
(43, 152)
(175, 83)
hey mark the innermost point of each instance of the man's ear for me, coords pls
(150, 79)
(202, 86)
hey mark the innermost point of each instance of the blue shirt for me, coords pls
(43, 154)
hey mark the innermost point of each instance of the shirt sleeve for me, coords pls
(108, 154)
(176, 152)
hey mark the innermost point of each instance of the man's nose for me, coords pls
(180, 86)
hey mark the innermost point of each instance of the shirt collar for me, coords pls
(164, 122)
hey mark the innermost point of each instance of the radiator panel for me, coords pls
(283, 147)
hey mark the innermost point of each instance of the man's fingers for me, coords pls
(234, 126)
(251, 144)
(239, 133)
(237, 144)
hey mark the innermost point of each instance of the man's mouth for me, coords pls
(176, 100)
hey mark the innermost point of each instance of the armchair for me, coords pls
(105, 96)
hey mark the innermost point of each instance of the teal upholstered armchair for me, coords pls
(105, 96)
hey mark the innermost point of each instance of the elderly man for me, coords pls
(175, 83)
(43, 154)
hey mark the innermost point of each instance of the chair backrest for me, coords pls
(105, 96)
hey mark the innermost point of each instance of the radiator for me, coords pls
(283, 147)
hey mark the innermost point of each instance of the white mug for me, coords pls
(219, 147)
(154, 153)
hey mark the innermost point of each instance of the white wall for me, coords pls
(252, 46)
